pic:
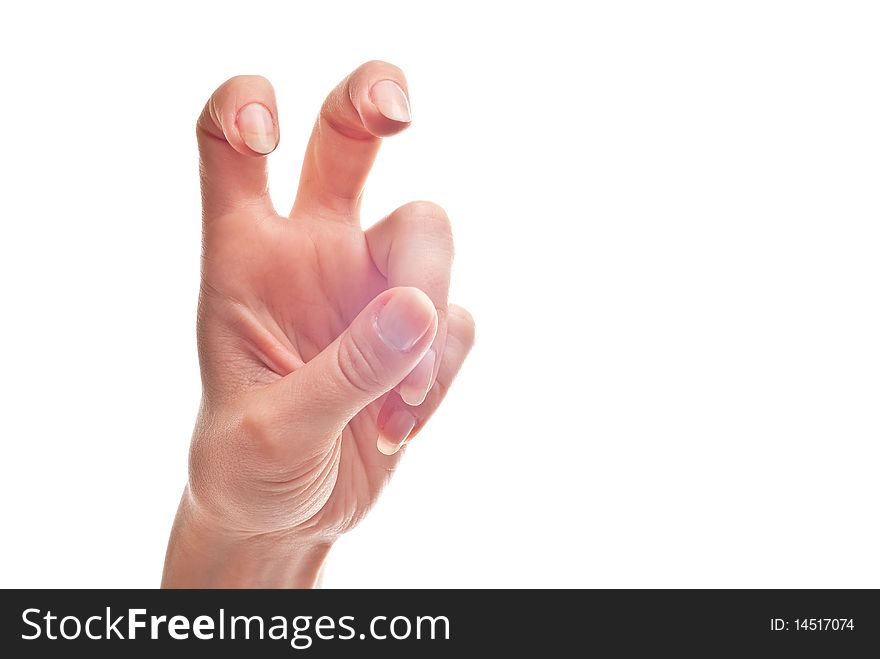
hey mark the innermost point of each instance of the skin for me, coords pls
(319, 343)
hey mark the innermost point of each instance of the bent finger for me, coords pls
(236, 129)
(398, 422)
(371, 103)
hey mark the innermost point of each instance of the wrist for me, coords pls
(203, 555)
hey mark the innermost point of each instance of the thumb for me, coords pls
(382, 345)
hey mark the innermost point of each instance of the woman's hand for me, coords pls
(324, 348)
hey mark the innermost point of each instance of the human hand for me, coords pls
(324, 348)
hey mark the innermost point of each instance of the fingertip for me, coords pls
(415, 386)
(407, 320)
(394, 430)
(385, 447)
(257, 128)
(391, 101)
(242, 113)
(380, 93)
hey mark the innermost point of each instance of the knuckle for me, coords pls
(357, 368)
(429, 216)
(426, 211)
(463, 325)
(369, 64)
(246, 80)
(257, 428)
(387, 68)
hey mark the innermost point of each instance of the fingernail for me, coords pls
(416, 385)
(391, 101)
(395, 431)
(402, 321)
(256, 128)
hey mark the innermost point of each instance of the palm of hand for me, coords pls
(263, 318)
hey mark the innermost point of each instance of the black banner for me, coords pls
(113, 623)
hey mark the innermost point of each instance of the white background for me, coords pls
(667, 219)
